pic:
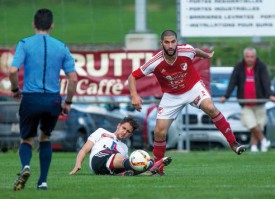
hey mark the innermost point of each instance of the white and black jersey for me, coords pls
(103, 140)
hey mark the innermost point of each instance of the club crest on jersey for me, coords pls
(183, 66)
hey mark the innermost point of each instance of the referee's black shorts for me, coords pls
(38, 109)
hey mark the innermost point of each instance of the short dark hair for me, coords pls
(43, 19)
(131, 121)
(168, 33)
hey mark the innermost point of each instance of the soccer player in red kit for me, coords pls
(181, 85)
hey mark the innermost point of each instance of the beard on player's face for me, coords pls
(170, 54)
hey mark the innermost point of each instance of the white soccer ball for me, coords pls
(139, 160)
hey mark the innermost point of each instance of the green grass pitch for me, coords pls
(202, 174)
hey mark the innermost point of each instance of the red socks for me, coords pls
(224, 127)
(159, 149)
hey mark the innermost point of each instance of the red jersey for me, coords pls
(249, 86)
(176, 78)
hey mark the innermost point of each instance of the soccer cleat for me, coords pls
(265, 145)
(43, 186)
(254, 148)
(126, 173)
(22, 179)
(150, 164)
(238, 148)
(157, 168)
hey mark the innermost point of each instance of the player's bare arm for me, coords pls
(81, 155)
(136, 99)
(204, 55)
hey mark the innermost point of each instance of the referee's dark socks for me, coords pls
(25, 154)
(45, 157)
